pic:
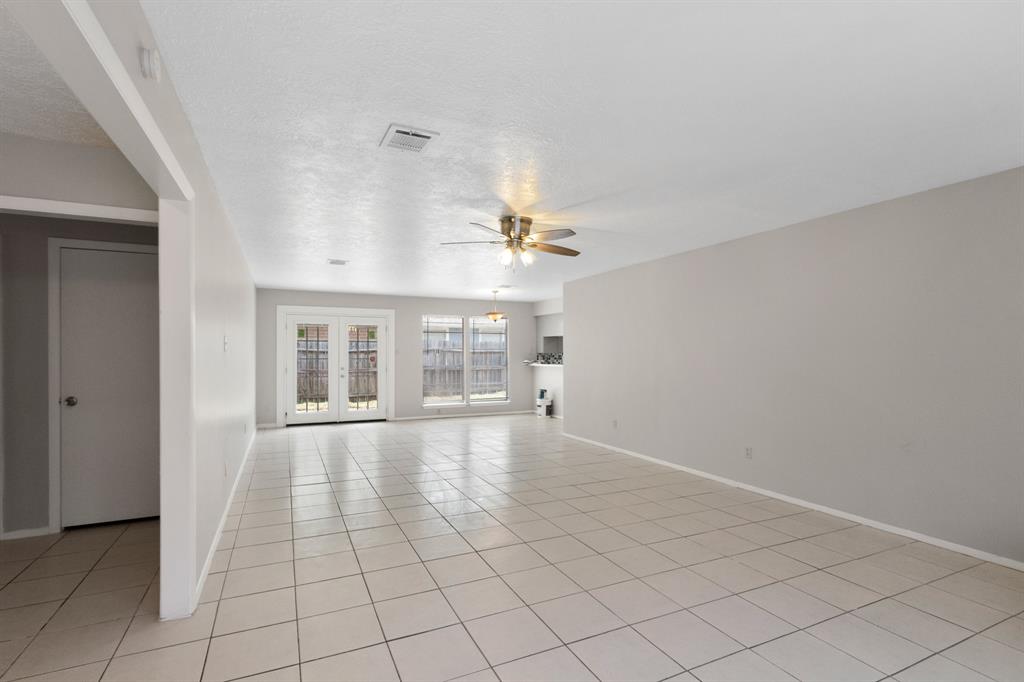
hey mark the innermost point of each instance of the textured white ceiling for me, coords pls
(34, 101)
(652, 127)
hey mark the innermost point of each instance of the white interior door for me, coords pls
(335, 369)
(110, 385)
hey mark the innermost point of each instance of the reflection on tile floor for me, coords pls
(494, 548)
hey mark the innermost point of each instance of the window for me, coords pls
(446, 356)
(488, 348)
(443, 360)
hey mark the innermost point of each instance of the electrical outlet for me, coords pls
(615, 423)
(225, 343)
(750, 453)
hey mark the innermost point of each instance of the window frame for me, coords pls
(469, 350)
(423, 398)
(467, 368)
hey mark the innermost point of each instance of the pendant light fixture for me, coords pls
(494, 315)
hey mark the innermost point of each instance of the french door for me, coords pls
(336, 368)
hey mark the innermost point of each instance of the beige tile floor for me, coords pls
(494, 548)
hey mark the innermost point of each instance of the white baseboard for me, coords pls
(201, 583)
(274, 425)
(461, 414)
(945, 544)
(26, 533)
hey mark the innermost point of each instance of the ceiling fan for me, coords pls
(519, 242)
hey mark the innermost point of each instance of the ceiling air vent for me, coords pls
(406, 137)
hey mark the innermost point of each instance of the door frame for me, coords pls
(283, 311)
(54, 246)
(77, 44)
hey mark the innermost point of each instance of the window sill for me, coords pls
(478, 403)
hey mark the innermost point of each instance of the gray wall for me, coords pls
(407, 337)
(42, 169)
(23, 278)
(873, 360)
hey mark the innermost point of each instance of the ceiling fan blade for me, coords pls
(451, 243)
(552, 248)
(489, 229)
(551, 235)
(547, 224)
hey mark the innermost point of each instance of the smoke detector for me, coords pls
(406, 137)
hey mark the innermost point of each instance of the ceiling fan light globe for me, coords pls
(506, 257)
(526, 257)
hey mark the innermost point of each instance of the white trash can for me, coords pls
(544, 408)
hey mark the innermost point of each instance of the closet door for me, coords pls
(110, 385)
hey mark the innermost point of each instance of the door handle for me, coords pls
(71, 401)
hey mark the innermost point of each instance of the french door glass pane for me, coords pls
(488, 348)
(362, 367)
(311, 368)
(442, 360)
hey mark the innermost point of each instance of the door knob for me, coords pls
(71, 401)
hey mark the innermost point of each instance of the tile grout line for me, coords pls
(530, 606)
(728, 556)
(475, 552)
(66, 599)
(380, 461)
(440, 590)
(631, 626)
(295, 573)
(362, 575)
(499, 576)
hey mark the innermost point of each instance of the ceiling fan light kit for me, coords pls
(519, 244)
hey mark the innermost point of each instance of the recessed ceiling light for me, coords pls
(336, 261)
